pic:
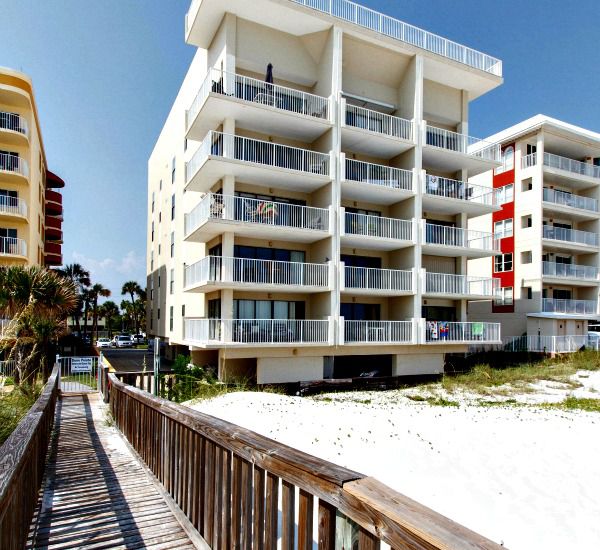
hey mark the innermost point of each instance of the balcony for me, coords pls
(576, 206)
(374, 281)
(13, 169)
(571, 172)
(449, 151)
(53, 226)
(216, 214)
(575, 274)
(445, 332)
(53, 202)
(241, 332)
(255, 161)
(570, 307)
(454, 196)
(12, 208)
(257, 105)
(379, 332)
(375, 183)
(13, 247)
(570, 239)
(375, 232)
(216, 272)
(460, 286)
(442, 240)
(374, 133)
(14, 129)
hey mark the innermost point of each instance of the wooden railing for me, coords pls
(239, 489)
(22, 463)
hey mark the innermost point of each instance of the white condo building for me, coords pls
(309, 194)
(548, 230)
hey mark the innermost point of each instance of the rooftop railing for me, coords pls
(12, 246)
(462, 143)
(255, 211)
(570, 271)
(446, 331)
(14, 163)
(569, 307)
(369, 278)
(398, 30)
(13, 205)
(260, 272)
(378, 332)
(568, 199)
(456, 236)
(464, 285)
(14, 122)
(378, 174)
(570, 235)
(255, 151)
(456, 189)
(378, 226)
(260, 92)
(380, 123)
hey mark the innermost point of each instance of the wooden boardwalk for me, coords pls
(96, 494)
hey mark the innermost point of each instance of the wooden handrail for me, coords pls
(22, 463)
(228, 481)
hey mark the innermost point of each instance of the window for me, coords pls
(159, 281)
(526, 257)
(527, 292)
(152, 237)
(527, 185)
(526, 221)
(152, 260)
(171, 318)
(173, 206)
(503, 262)
(531, 149)
(505, 194)
(159, 248)
(173, 163)
(503, 228)
(160, 185)
(172, 282)
(185, 144)
(158, 314)
(153, 195)
(505, 296)
(159, 217)
(172, 244)
(508, 158)
(183, 310)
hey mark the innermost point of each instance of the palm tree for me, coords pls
(127, 313)
(37, 301)
(96, 291)
(81, 278)
(109, 310)
(86, 299)
(132, 288)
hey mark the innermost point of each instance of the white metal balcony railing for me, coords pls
(462, 143)
(378, 174)
(446, 331)
(398, 30)
(257, 91)
(570, 235)
(13, 246)
(563, 163)
(14, 122)
(466, 285)
(569, 307)
(261, 272)
(256, 331)
(378, 226)
(548, 344)
(255, 151)
(380, 123)
(13, 205)
(456, 189)
(378, 279)
(256, 211)
(14, 163)
(382, 332)
(570, 271)
(529, 161)
(457, 236)
(568, 199)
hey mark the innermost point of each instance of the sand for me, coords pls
(523, 476)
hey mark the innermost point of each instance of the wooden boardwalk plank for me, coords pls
(95, 493)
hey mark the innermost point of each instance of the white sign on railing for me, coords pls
(81, 364)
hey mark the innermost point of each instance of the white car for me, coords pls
(103, 343)
(123, 341)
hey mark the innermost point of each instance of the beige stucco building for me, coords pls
(548, 271)
(30, 205)
(309, 194)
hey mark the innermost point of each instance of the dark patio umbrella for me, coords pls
(269, 77)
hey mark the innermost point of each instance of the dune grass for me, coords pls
(13, 407)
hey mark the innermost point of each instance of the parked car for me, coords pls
(123, 341)
(138, 339)
(103, 343)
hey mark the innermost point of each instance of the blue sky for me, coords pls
(106, 73)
